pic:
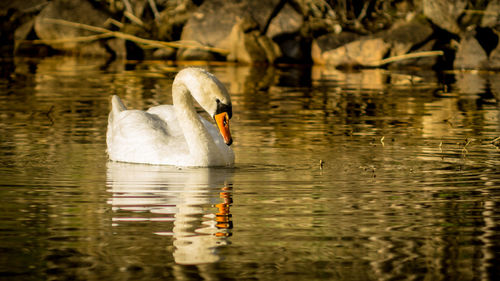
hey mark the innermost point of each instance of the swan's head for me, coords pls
(210, 94)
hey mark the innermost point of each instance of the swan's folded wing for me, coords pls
(167, 114)
(138, 136)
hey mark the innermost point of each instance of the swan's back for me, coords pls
(144, 137)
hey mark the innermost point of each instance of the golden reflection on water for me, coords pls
(197, 200)
(408, 189)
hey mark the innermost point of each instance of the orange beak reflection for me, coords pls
(222, 120)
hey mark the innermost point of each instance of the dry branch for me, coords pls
(408, 56)
(105, 33)
(71, 40)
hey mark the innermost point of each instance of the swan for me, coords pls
(175, 134)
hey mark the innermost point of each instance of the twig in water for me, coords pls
(464, 149)
(447, 121)
(382, 140)
(48, 115)
(45, 113)
(441, 150)
(496, 142)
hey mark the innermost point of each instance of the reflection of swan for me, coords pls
(175, 135)
(197, 200)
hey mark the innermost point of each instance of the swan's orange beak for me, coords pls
(222, 120)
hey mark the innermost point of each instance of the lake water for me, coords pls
(361, 175)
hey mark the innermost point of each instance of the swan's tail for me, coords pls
(117, 105)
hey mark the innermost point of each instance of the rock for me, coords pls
(360, 52)
(164, 54)
(172, 19)
(470, 54)
(329, 42)
(250, 46)
(491, 17)
(21, 34)
(287, 21)
(271, 49)
(494, 80)
(422, 62)
(494, 57)
(285, 29)
(470, 82)
(294, 49)
(403, 36)
(195, 53)
(25, 6)
(86, 14)
(444, 13)
(16, 23)
(212, 29)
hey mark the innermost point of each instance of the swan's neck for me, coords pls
(199, 140)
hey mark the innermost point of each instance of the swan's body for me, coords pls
(175, 134)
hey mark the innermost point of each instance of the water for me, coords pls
(407, 188)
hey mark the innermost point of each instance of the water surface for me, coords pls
(363, 175)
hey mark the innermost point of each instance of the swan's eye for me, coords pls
(217, 101)
(222, 107)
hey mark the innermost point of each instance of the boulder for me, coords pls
(164, 54)
(329, 42)
(294, 49)
(491, 17)
(287, 21)
(86, 14)
(208, 28)
(421, 62)
(494, 80)
(361, 52)
(21, 33)
(172, 19)
(16, 23)
(249, 46)
(444, 13)
(404, 36)
(470, 54)
(494, 57)
(285, 29)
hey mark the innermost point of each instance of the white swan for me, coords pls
(175, 135)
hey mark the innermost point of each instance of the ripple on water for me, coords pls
(408, 187)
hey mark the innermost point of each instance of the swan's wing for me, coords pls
(145, 137)
(167, 114)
